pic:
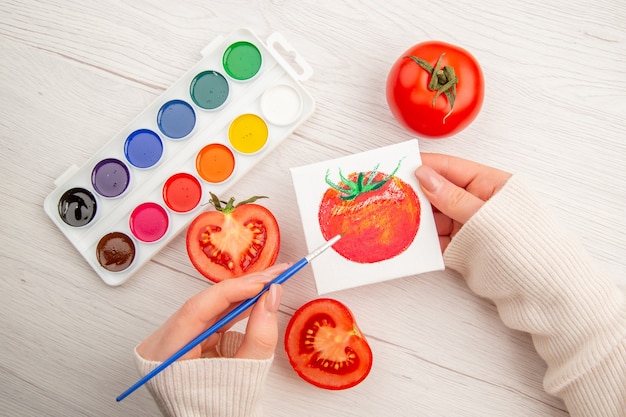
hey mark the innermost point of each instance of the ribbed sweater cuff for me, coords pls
(542, 281)
(220, 386)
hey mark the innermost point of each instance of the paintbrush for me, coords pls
(288, 273)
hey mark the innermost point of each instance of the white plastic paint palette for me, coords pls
(201, 135)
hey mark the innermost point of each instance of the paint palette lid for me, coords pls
(211, 127)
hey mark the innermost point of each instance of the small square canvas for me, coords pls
(374, 201)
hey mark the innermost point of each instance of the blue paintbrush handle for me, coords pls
(288, 273)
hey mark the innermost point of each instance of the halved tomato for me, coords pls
(233, 240)
(325, 346)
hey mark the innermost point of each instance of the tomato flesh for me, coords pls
(230, 241)
(222, 246)
(325, 346)
(411, 101)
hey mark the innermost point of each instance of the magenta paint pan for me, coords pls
(149, 222)
(148, 182)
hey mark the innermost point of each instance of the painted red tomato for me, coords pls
(378, 216)
(325, 346)
(435, 89)
(233, 240)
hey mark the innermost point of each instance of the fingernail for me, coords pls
(272, 302)
(428, 178)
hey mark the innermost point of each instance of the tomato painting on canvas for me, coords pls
(373, 199)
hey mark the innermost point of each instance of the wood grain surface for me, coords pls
(72, 74)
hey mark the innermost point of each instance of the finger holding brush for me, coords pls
(208, 306)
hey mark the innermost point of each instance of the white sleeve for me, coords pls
(542, 281)
(220, 386)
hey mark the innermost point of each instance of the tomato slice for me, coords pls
(229, 244)
(325, 346)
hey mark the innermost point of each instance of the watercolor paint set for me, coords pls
(133, 196)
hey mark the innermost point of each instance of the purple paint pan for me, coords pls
(110, 177)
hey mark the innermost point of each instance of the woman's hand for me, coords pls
(205, 308)
(457, 188)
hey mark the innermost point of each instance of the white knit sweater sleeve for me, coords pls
(542, 282)
(209, 387)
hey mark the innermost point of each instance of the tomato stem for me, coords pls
(229, 206)
(442, 80)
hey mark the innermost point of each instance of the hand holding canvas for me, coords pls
(457, 188)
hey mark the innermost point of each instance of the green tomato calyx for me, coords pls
(443, 80)
(229, 206)
(349, 190)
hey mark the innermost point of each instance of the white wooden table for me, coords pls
(74, 73)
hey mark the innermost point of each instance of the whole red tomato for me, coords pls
(233, 240)
(378, 216)
(435, 89)
(325, 346)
